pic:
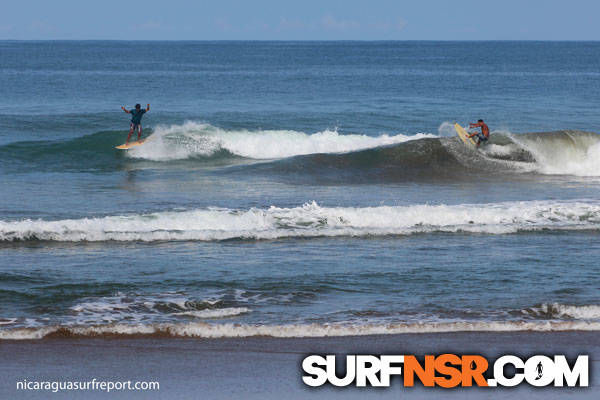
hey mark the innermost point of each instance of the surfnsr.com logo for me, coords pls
(445, 370)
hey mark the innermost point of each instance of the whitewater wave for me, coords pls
(192, 139)
(157, 307)
(563, 153)
(134, 319)
(229, 330)
(557, 310)
(312, 220)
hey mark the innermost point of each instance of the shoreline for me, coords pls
(265, 367)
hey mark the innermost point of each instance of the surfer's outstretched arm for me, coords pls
(127, 111)
(147, 107)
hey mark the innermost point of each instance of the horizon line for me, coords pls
(299, 40)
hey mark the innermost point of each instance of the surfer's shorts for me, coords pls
(481, 137)
(134, 126)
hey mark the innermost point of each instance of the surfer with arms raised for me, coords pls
(482, 136)
(136, 120)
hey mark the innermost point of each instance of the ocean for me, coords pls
(298, 189)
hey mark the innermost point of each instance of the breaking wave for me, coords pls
(312, 220)
(174, 315)
(228, 330)
(556, 310)
(193, 140)
(157, 307)
(563, 152)
(357, 157)
(397, 157)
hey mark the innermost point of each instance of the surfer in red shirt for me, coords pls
(482, 136)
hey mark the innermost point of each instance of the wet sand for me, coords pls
(268, 368)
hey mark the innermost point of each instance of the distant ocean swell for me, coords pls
(312, 220)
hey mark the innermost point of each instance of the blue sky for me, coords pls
(302, 20)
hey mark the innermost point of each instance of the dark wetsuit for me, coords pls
(136, 118)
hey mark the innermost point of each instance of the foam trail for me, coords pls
(312, 220)
(193, 139)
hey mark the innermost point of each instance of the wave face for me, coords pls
(89, 152)
(387, 157)
(312, 220)
(506, 156)
(192, 141)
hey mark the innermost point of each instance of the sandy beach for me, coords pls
(266, 368)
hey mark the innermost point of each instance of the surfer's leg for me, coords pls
(139, 132)
(130, 132)
(480, 139)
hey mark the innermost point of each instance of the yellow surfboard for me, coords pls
(464, 136)
(130, 145)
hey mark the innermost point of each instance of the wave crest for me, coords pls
(192, 139)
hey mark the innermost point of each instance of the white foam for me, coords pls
(570, 154)
(219, 313)
(192, 139)
(499, 150)
(214, 330)
(135, 308)
(311, 220)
